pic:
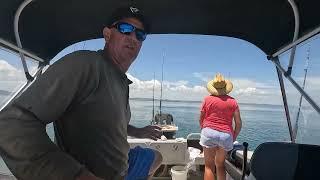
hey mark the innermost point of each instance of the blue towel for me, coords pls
(140, 161)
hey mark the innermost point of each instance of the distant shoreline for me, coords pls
(4, 93)
(167, 100)
(191, 101)
(7, 93)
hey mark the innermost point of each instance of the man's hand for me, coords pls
(152, 132)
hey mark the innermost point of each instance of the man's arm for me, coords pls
(24, 145)
(28, 151)
(132, 131)
(151, 132)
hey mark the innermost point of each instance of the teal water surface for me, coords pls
(261, 123)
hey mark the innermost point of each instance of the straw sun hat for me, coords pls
(219, 86)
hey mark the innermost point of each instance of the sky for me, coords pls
(190, 61)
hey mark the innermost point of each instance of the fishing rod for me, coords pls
(161, 82)
(295, 130)
(154, 82)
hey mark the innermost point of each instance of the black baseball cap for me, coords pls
(127, 12)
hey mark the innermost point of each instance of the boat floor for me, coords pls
(190, 177)
(165, 146)
(194, 175)
(198, 175)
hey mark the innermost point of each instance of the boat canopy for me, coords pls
(48, 26)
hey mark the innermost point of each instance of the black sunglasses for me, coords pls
(126, 28)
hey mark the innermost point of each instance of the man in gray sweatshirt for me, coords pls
(86, 95)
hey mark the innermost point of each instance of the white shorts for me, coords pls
(212, 138)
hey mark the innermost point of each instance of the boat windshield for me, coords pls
(304, 118)
(12, 76)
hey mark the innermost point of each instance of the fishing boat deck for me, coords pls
(174, 151)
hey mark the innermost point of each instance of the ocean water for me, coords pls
(260, 122)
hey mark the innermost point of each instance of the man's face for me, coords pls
(123, 48)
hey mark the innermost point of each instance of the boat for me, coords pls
(164, 120)
(39, 30)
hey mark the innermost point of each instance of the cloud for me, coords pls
(11, 78)
(179, 90)
(10, 73)
(313, 81)
(251, 91)
(245, 90)
(248, 90)
(312, 88)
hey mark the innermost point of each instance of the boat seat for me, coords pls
(285, 161)
(193, 140)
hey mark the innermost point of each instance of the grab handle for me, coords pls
(244, 162)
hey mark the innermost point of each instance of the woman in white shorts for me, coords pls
(217, 135)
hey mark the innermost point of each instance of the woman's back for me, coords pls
(218, 112)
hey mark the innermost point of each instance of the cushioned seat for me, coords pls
(285, 161)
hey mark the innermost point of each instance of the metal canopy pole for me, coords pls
(20, 50)
(285, 103)
(16, 33)
(296, 85)
(298, 41)
(295, 36)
